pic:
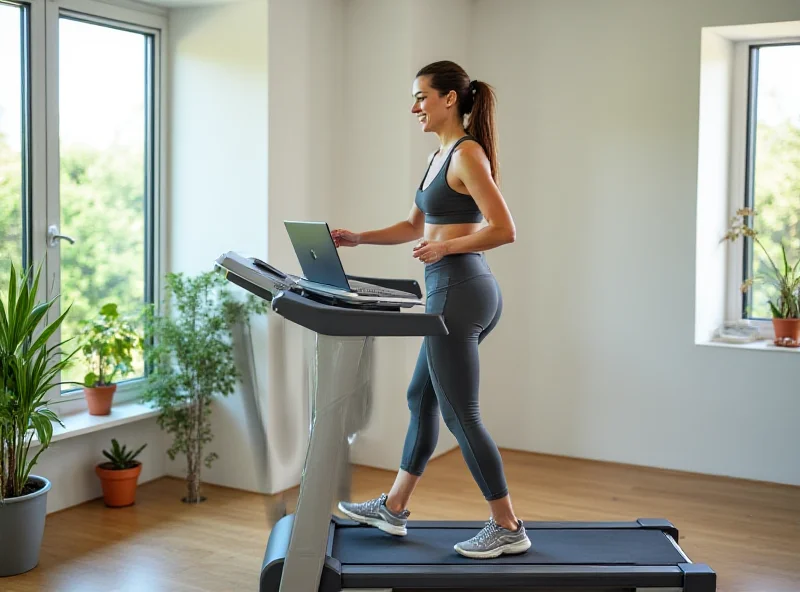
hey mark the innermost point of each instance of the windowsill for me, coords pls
(81, 423)
(764, 345)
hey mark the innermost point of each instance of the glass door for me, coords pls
(101, 170)
(80, 161)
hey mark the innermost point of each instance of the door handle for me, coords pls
(53, 236)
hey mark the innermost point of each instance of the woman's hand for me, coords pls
(430, 251)
(345, 238)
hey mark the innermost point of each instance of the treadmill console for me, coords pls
(333, 311)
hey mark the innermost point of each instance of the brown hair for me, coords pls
(475, 98)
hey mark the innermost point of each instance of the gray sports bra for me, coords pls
(443, 205)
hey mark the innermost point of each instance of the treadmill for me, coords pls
(315, 550)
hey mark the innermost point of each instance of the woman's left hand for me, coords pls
(430, 251)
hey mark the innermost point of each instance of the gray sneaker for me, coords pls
(494, 540)
(375, 513)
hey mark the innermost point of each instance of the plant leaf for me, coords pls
(775, 311)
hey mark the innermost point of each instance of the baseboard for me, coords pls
(642, 467)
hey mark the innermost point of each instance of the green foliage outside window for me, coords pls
(102, 208)
(777, 225)
(10, 211)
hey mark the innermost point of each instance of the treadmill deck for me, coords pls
(579, 556)
(365, 545)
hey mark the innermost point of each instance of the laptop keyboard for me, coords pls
(373, 290)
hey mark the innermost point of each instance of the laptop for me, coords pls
(324, 272)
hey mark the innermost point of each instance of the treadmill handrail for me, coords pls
(337, 320)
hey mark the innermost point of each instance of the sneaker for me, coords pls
(375, 513)
(494, 540)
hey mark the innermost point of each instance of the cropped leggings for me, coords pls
(462, 288)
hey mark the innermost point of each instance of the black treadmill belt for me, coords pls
(426, 546)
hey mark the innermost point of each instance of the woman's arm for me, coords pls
(403, 232)
(472, 167)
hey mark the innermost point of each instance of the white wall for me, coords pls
(599, 124)
(305, 106)
(218, 188)
(598, 120)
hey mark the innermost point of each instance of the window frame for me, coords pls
(32, 149)
(740, 168)
(45, 170)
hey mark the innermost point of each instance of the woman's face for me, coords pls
(431, 109)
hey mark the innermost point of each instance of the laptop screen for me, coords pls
(317, 253)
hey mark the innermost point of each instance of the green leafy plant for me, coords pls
(192, 361)
(107, 342)
(785, 278)
(28, 370)
(121, 458)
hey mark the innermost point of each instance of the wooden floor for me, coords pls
(748, 532)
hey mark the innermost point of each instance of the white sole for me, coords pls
(510, 549)
(380, 524)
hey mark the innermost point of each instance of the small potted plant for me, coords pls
(107, 343)
(119, 475)
(785, 279)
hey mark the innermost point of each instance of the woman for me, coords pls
(458, 191)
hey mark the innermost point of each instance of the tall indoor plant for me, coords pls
(785, 277)
(107, 343)
(190, 352)
(29, 368)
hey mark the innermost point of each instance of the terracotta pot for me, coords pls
(787, 329)
(119, 485)
(99, 399)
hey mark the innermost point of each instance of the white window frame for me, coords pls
(740, 90)
(45, 166)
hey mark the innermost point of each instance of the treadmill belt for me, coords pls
(363, 545)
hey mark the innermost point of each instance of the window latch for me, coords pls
(53, 236)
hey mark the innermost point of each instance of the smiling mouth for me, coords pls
(422, 118)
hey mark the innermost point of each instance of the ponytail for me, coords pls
(476, 100)
(482, 124)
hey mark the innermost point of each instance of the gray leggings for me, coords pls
(446, 377)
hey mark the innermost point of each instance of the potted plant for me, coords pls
(119, 476)
(107, 343)
(785, 278)
(191, 362)
(28, 370)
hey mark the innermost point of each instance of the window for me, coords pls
(105, 182)
(80, 158)
(748, 156)
(14, 125)
(772, 167)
